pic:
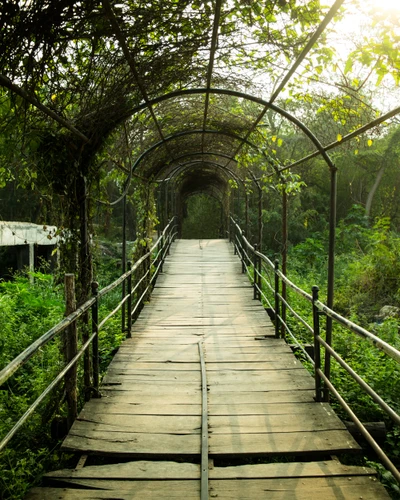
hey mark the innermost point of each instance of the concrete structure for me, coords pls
(28, 238)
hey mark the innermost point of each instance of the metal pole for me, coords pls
(129, 333)
(247, 214)
(284, 255)
(277, 323)
(243, 255)
(259, 217)
(331, 272)
(95, 346)
(255, 275)
(123, 260)
(317, 346)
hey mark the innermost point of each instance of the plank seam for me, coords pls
(204, 426)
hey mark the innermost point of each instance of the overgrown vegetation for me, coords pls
(107, 101)
(29, 306)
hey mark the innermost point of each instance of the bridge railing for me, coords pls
(268, 282)
(144, 273)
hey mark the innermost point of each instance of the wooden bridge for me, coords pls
(204, 402)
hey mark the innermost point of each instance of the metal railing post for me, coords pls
(129, 306)
(243, 256)
(255, 276)
(160, 251)
(317, 345)
(277, 308)
(95, 345)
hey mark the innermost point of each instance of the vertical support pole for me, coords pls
(255, 275)
(259, 262)
(123, 260)
(247, 213)
(95, 345)
(284, 254)
(331, 272)
(159, 214)
(31, 261)
(259, 217)
(317, 346)
(277, 308)
(85, 276)
(166, 211)
(243, 255)
(129, 311)
(160, 251)
(70, 347)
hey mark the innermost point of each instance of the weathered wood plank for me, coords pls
(304, 490)
(137, 396)
(266, 424)
(110, 406)
(132, 444)
(152, 490)
(142, 469)
(291, 443)
(327, 468)
(103, 422)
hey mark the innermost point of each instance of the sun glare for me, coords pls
(385, 5)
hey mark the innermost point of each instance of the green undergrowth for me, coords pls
(367, 277)
(30, 306)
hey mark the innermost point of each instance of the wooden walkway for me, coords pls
(266, 435)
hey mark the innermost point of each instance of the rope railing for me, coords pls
(162, 245)
(261, 266)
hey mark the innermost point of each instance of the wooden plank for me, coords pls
(122, 408)
(135, 396)
(291, 443)
(142, 469)
(352, 488)
(103, 422)
(266, 424)
(291, 409)
(132, 444)
(154, 376)
(281, 363)
(139, 490)
(290, 385)
(263, 396)
(327, 468)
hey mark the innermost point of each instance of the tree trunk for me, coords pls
(373, 190)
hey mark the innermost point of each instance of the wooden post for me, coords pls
(70, 347)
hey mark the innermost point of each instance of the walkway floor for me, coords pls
(266, 435)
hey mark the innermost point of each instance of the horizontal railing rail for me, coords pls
(262, 271)
(160, 249)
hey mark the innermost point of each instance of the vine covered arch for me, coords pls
(142, 85)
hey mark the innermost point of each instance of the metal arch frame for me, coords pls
(198, 153)
(333, 189)
(176, 169)
(180, 168)
(242, 95)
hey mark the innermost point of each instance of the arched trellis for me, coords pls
(188, 167)
(148, 103)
